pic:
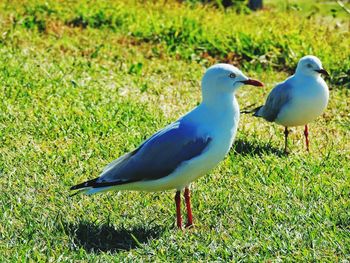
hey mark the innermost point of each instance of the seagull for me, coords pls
(184, 150)
(299, 99)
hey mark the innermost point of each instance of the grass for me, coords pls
(83, 83)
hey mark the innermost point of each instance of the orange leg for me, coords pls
(306, 133)
(188, 206)
(286, 132)
(178, 209)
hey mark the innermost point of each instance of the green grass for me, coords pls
(326, 8)
(83, 83)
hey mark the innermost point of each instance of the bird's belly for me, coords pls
(301, 112)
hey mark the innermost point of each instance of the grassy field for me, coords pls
(82, 83)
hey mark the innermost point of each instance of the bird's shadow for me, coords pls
(245, 147)
(96, 238)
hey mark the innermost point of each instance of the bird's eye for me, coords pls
(309, 65)
(232, 75)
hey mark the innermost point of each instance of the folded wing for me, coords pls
(277, 99)
(155, 158)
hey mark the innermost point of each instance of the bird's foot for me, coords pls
(189, 225)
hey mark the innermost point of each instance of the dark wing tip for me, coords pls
(89, 183)
(249, 110)
(93, 183)
(256, 110)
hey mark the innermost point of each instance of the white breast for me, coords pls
(309, 100)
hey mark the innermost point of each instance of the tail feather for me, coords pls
(92, 191)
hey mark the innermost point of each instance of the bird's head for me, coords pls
(311, 66)
(225, 78)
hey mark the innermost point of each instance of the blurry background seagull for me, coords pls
(299, 99)
(184, 150)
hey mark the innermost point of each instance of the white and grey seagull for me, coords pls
(299, 99)
(184, 150)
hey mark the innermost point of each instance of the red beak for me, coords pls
(253, 82)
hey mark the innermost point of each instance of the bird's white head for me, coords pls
(310, 66)
(224, 78)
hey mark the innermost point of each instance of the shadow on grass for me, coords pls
(105, 238)
(244, 147)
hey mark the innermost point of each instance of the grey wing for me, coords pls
(277, 99)
(157, 157)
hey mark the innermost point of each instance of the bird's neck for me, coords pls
(221, 103)
(300, 74)
(221, 114)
